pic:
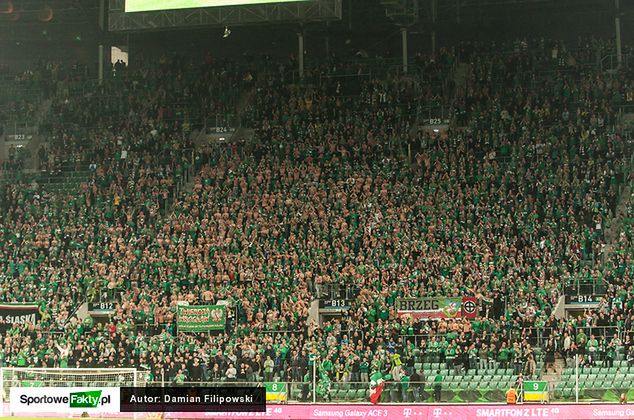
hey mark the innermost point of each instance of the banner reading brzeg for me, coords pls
(437, 307)
(201, 318)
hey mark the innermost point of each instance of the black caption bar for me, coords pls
(193, 399)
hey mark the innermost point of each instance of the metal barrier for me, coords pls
(538, 336)
(585, 286)
(609, 332)
(17, 129)
(221, 123)
(610, 61)
(336, 291)
(426, 114)
(534, 339)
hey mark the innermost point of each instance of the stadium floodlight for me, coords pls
(227, 32)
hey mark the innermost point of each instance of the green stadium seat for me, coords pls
(505, 382)
(385, 396)
(600, 384)
(409, 396)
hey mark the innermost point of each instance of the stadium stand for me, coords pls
(341, 192)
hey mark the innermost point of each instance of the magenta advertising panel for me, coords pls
(397, 412)
(432, 412)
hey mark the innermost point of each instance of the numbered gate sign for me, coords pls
(275, 391)
(536, 391)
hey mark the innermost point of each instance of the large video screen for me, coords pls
(155, 5)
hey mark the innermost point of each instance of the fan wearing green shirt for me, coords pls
(180, 377)
(405, 380)
(503, 356)
(438, 379)
(268, 369)
(450, 354)
(593, 347)
(364, 369)
(433, 349)
(327, 366)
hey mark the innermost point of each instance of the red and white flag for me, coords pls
(375, 393)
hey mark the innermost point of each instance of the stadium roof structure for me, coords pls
(302, 12)
(366, 22)
(74, 11)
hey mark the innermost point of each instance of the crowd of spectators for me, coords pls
(22, 91)
(509, 203)
(173, 97)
